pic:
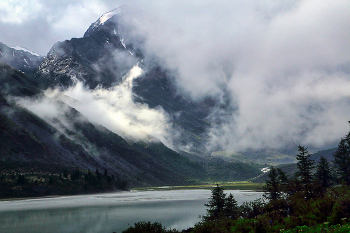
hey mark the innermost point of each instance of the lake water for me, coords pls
(112, 212)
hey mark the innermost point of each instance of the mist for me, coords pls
(285, 65)
(112, 108)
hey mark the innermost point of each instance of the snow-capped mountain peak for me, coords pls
(20, 58)
(107, 16)
(19, 48)
(104, 18)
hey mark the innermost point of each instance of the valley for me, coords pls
(102, 112)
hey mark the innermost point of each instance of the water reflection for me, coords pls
(108, 212)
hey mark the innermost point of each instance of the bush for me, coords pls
(148, 227)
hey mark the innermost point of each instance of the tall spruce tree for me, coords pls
(323, 174)
(272, 188)
(342, 160)
(216, 204)
(284, 181)
(231, 208)
(305, 166)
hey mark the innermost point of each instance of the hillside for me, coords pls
(291, 168)
(71, 141)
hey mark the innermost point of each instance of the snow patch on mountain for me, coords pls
(123, 43)
(104, 18)
(108, 15)
(19, 48)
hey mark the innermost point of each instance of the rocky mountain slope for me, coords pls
(105, 55)
(72, 141)
(20, 58)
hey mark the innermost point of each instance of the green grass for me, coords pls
(244, 185)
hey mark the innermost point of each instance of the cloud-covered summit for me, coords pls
(284, 65)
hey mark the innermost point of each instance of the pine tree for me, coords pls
(272, 188)
(323, 174)
(231, 208)
(21, 179)
(65, 173)
(216, 204)
(105, 173)
(284, 181)
(305, 166)
(342, 160)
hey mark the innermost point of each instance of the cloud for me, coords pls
(112, 108)
(286, 66)
(115, 109)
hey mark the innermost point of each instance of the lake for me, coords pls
(112, 212)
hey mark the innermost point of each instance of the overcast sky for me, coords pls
(286, 64)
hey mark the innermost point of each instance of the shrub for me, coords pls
(148, 227)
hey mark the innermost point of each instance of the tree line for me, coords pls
(27, 183)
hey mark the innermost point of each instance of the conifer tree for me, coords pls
(21, 179)
(105, 173)
(342, 160)
(272, 188)
(305, 166)
(323, 174)
(231, 208)
(216, 204)
(284, 181)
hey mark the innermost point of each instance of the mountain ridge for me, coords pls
(27, 138)
(102, 58)
(20, 58)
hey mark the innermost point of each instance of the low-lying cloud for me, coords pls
(112, 108)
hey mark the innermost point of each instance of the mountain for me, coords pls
(26, 137)
(105, 55)
(20, 58)
(32, 143)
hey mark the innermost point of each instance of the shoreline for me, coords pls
(242, 186)
(55, 196)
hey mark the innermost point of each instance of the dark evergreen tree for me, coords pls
(98, 175)
(231, 209)
(273, 185)
(216, 204)
(21, 179)
(305, 166)
(323, 174)
(51, 180)
(76, 174)
(65, 173)
(105, 173)
(284, 181)
(342, 160)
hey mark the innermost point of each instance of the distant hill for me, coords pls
(290, 169)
